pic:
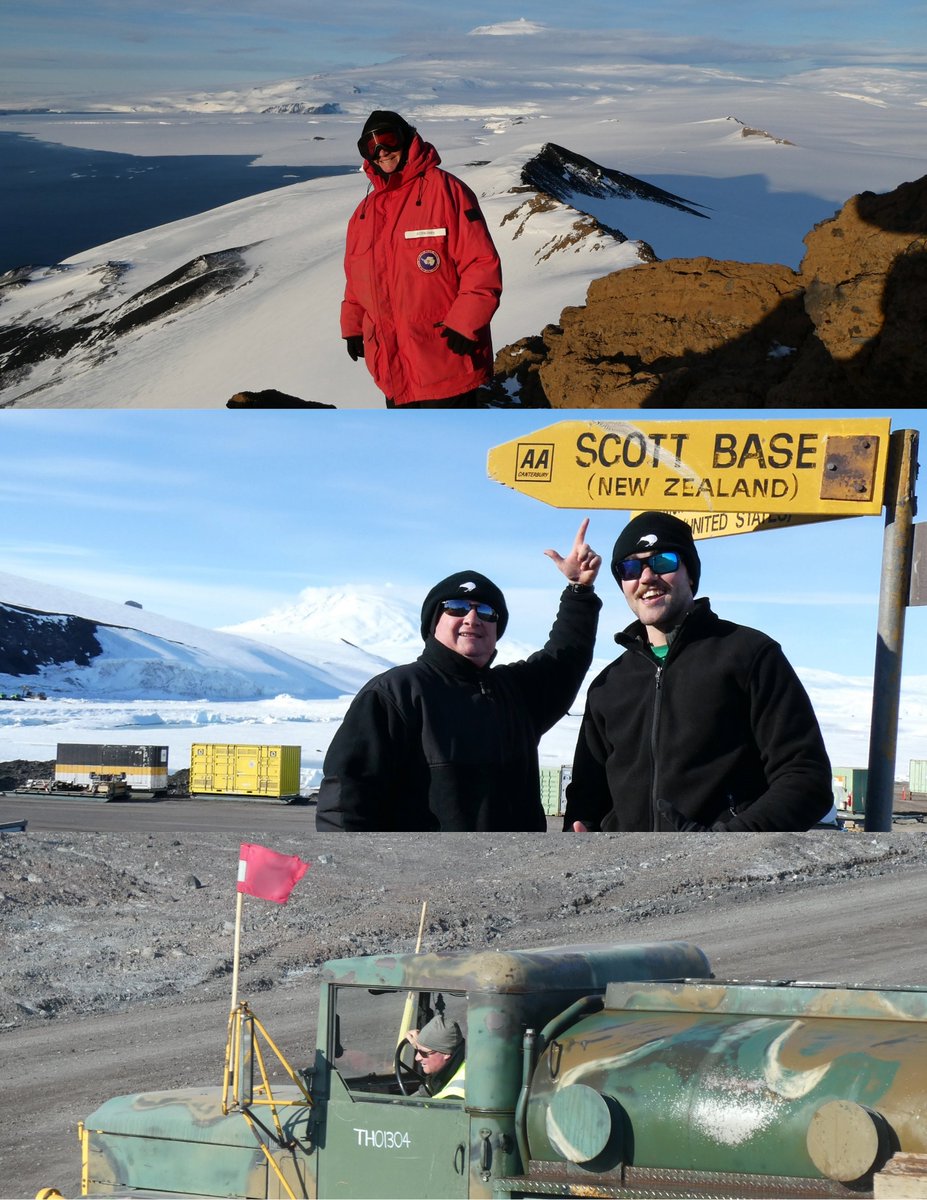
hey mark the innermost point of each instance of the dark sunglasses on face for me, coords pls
(460, 608)
(661, 564)
(377, 140)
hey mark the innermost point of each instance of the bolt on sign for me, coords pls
(762, 470)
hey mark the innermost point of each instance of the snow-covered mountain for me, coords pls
(382, 626)
(688, 162)
(68, 644)
(377, 621)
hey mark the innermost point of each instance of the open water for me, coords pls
(56, 200)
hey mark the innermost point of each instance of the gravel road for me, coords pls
(117, 946)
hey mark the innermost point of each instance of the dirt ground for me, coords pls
(115, 973)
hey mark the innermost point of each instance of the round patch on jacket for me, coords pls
(428, 261)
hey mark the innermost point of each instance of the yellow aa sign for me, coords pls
(756, 468)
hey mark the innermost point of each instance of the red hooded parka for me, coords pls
(419, 256)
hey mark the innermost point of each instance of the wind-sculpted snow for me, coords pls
(104, 320)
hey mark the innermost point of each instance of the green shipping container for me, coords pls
(856, 782)
(264, 772)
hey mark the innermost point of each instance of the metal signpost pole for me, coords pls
(893, 599)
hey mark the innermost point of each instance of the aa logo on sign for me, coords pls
(428, 261)
(534, 462)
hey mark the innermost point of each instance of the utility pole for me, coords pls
(897, 548)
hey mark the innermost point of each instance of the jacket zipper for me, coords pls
(654, 729)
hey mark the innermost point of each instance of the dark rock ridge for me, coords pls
(30, 640)
(24, 346)
(563, 174)
(272, 398)
(847, 329)
(301, 108)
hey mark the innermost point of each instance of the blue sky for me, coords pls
(55, 48)
(216, 517)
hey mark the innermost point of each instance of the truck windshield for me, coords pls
(370, 1024)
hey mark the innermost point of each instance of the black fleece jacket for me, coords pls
(443, 744)
(720, 735)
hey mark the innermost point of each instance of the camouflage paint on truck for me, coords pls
(695, 1081)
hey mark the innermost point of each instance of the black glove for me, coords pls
(682, 824)
(457, 342)
(355, 344)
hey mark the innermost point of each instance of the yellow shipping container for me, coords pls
(269, 772)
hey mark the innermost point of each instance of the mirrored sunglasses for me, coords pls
(661, 564)
(460, 608)
(379, 141)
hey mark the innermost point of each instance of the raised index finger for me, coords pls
(581, 535)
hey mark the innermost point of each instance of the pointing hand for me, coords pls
(582, 564)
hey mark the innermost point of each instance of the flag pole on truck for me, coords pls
(405, 1023)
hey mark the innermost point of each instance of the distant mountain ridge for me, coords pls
(69, 644)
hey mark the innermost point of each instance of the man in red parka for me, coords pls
(423, 275)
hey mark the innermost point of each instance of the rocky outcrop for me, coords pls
(30, 640)
(846, 329)
(271, 398)
(562, 173)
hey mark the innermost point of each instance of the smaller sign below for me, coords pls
(725, 524)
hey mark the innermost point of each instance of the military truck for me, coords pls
(597, 1070)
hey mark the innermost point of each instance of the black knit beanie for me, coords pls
(654, 532)
(466, 585)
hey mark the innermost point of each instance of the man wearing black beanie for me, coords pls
(701, 724)
(450, 742)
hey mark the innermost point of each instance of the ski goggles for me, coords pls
(460, 608)
(377, 141)
(663, 563)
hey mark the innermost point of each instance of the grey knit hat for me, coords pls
(654, 532)
(437, 1035)
(466, 585)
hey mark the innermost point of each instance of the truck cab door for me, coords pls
(375, 1141)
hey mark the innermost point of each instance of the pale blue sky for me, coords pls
(56, 48)
(216, 517)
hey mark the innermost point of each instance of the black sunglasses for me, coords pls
(460, 608)
(661, 564)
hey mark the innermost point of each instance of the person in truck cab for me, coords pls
(440, 1052)
(700, 724)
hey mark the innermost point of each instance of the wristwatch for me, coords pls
(580, 589)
